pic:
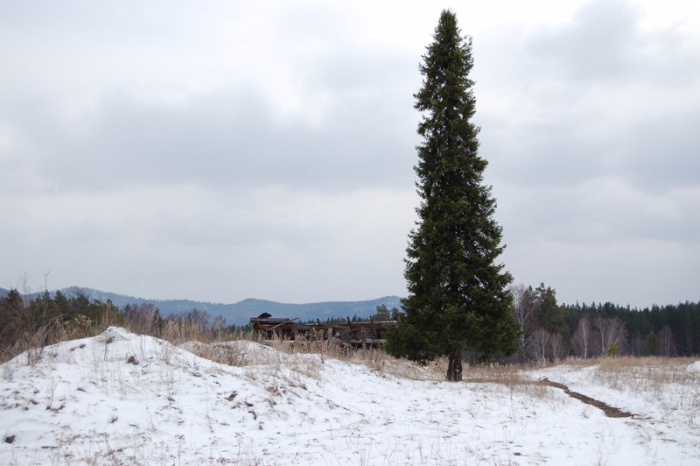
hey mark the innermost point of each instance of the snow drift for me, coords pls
(121, 398)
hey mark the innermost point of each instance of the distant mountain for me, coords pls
(241, 312)
(3, 292)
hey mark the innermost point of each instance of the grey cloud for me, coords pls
(225, 139)
(539, 154)
(365, 135)
(600, 212)
(604, 41)
(664, 153)
(315, 26)
(99, 175)
(376, 73)
(655, 154)
(599, 42)
(562, 131)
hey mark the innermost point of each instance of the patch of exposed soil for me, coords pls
(609, 411)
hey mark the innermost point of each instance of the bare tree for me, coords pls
(667, 344)
(217, 326)
(524, 304)
(537, 345)
(557, 350)
(637, 345)
(611, 333)
(142, 318)
(582, 337)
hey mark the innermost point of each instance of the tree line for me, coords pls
(550, 331)
(30, 321)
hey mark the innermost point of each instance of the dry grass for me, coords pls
(374, 358)
(657, 378)
(33, 342)
(230, 353)
(651, 374)
(515, 378)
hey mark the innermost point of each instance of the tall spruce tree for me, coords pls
(458, 296)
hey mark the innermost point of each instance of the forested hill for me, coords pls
(241, 312)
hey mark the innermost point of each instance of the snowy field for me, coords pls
(125, 399)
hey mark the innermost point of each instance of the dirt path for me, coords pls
(609, 411)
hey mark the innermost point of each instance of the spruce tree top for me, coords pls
(448, 103)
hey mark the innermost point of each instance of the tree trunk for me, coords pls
(454, 365)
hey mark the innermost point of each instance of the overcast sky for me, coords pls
(223, 150)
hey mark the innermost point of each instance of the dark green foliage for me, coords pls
(457, 293)
(42, 319)
(681, 321)
(384, 313)
(651, 345)
(549, 315)
(612, 350)
(12, 317)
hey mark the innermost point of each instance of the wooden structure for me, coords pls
(348, 333)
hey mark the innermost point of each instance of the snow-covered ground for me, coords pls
(121, 398)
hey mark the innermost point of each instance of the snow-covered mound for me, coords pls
(121, 398)
(694, 367)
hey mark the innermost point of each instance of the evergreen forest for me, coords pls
(552, 331)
